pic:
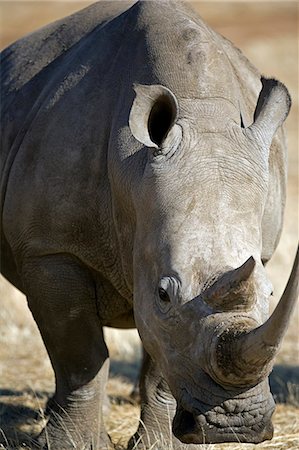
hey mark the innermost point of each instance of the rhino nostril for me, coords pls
(187, 422)
(185, 428)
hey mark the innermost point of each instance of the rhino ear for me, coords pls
(153, 113)
(272, 109)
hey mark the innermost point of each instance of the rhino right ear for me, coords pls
(272, 109)
(153, 114)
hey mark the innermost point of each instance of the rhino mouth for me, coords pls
(226, 422)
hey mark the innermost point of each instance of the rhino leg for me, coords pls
(158, 408)
(61, 297)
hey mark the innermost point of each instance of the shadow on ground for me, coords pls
(284, 384)
(126, 370)
(21, 417)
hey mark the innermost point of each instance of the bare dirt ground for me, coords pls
(267, 32)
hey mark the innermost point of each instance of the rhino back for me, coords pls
(23, 59)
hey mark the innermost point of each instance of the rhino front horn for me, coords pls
(251, 351)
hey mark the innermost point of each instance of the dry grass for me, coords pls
(123, 421)
(268, 35)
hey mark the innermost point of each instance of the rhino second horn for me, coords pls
(229, 293)
(251, 352)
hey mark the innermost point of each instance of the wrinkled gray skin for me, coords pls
(134, 169)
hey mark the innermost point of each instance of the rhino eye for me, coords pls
(163, 295)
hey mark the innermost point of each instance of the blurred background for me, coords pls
(267, 33)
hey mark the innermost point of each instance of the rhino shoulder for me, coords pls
(25, 58)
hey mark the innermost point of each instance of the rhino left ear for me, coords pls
(272, 109)
(153, 114)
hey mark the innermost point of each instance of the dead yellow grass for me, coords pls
(123, 421)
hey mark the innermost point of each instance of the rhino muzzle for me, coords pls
(238, 415)
(214, 427)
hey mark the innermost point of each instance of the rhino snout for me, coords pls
(218, 427)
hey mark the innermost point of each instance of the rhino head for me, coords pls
(201, 292)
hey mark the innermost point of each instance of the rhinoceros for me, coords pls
(143, 185)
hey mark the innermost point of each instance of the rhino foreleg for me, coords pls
(158, 408)
(62, 300)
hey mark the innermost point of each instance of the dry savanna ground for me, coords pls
(267, 32)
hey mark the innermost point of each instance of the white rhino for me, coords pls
(144, 169)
